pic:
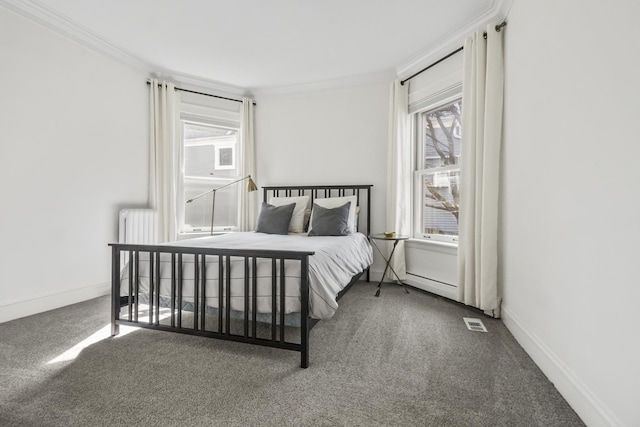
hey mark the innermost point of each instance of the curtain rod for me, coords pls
(498, 28)
(202, 93)
(432, 65)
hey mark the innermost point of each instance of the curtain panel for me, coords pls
(248, 200)
(399, 174)
(164, 157)
(482, 100)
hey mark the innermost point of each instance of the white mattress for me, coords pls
(331, 268)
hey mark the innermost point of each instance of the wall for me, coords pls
(569, 235)
(332, 136)
(74, 137)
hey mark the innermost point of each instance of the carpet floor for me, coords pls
(397, 360)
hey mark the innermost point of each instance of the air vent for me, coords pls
(474, 324)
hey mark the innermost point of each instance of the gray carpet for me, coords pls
(397, 360)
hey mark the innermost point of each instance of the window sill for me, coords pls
(433, 245)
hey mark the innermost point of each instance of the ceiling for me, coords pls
(264, 44)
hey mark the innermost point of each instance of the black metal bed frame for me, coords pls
(250, 258)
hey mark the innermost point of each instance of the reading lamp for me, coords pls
(251, 186)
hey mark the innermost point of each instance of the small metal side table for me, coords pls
(395, 239)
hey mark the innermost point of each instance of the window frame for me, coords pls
(419, 172)
(216, 182)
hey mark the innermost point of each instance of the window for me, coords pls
(437, 176)
(210, 161)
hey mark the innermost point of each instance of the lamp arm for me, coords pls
(201, 195)
(237, 180)
(216, 189)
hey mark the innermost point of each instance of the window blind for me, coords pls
(437, 85)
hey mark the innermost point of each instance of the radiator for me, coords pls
(138, 226)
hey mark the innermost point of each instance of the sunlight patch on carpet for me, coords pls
(103, 333)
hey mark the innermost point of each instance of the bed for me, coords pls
(265, 288)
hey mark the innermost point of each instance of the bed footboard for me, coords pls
(150, 308)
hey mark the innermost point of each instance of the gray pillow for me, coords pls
(330, 222)
(274, 219)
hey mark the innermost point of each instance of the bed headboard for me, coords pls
(362, 193)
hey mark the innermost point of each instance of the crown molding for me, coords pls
(60, 24)
(503, 7)
(453, 41)
(38, 13)
(334, 84)
(191, 82)
(35, 11)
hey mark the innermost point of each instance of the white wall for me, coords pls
(73, 151)
(333, 136)
(569, 209)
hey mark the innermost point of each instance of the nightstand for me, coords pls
(395, 239)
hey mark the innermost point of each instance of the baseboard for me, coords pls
(438, 288)
(432, 286)
(21, 308)
(375, 275)
(582, 400)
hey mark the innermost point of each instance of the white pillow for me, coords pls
(334, 202)
(297, 219)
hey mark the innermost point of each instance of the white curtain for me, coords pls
(399, 174)
(248, 201)
(164, 156)
(482, 100)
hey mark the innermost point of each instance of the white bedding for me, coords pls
(336, 260)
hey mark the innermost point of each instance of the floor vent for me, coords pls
(474, 324)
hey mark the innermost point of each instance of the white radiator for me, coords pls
(138, 226)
